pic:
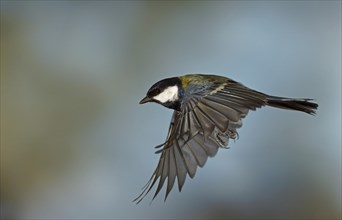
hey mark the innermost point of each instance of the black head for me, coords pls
(167, 92)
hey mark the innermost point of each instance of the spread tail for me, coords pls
(303, 105)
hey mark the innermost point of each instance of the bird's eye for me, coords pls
(154, 92)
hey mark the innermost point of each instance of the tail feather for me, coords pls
(303, 105)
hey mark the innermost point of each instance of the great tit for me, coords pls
(207, 112)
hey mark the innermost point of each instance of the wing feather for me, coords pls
(218, 119)
(190, 160)
(172, 172)
(199, 153)
(164, 172)
(181, 167)
(207, 125)
(210, 149)
(228, 112)
(228, 103)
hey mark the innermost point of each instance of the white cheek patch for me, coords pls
(168, 95)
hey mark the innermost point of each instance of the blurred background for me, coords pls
(76, 144)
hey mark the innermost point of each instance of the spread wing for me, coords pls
(205, 123)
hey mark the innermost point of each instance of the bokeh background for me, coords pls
(76, 144)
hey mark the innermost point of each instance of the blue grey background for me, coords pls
(76, 144)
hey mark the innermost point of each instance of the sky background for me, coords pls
(75, 143)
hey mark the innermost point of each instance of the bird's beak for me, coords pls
(144, 100)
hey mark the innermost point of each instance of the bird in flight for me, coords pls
(207, 113)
